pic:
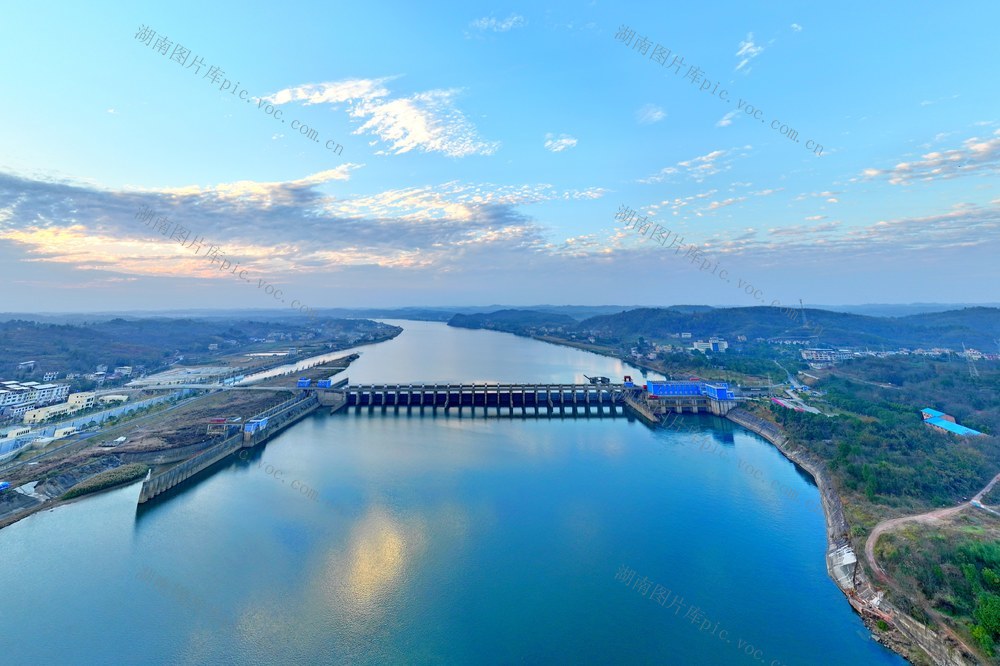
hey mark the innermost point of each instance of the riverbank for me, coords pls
(56, 477)
(891, 627)
(60, 501)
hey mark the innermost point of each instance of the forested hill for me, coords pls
(976, 327)
(148, 342)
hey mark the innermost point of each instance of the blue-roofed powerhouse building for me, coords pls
(670, 389)
(946, 422)
(657, 398)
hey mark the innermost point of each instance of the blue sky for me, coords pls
(486, 150)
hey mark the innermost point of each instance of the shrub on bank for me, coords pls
(107, 479)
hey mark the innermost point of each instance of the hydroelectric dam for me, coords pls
(650, 402)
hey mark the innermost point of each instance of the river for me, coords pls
(384, 538)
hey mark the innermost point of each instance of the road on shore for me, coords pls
(928, 518)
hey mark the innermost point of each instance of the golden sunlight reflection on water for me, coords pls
(374, 564)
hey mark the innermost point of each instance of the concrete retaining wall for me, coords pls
(280, 417)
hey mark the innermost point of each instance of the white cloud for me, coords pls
(747, 52)
(825, 194)
(727, 119)
(262, 194)
(796, 27)
(805, 229)
(452, 200)
(976, 155)
(715, 205)
(493, 25)
(557, 145)
(428, 121)
(697, 168)
(334, 92)
(446, 226)
(929, 102)
(649, 114)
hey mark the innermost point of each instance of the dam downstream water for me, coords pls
(439, 539)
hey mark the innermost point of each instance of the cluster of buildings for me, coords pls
(16, 398)
(818, 357)
(34, 402)
(194, 375)
(713, 345)
(101, 374)
(75, 403)
(652, 350)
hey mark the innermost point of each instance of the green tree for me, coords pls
(988, 613)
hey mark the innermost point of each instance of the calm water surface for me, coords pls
(376, 538)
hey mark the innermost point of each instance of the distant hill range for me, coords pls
(901, 309)
(446, 312)
(151, 342)
(977, 327)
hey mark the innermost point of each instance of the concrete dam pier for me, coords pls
(500, 399)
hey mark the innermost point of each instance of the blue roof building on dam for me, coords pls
(659, 398)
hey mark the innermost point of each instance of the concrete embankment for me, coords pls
(904, 635)
(639, 409)
(279, 418)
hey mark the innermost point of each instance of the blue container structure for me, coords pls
(324, 383)
(4, 486)
(303, 382)
(719, 391)
(255, 425)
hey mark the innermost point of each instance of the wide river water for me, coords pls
(384, 538)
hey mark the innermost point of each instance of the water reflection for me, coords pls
(380, 549)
